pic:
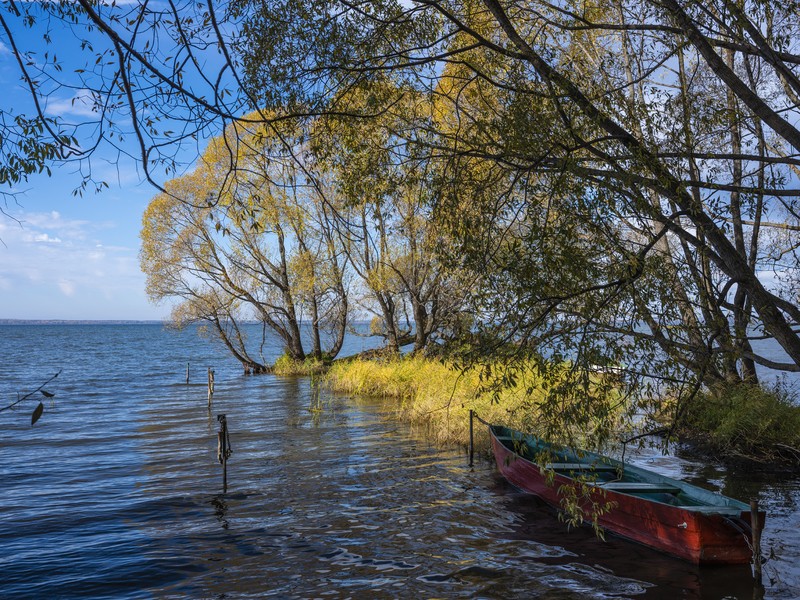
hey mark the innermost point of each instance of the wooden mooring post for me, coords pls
(210, 384)
(223, 449)
(755, 524)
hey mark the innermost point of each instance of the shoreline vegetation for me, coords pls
(437, 395)
(741, 423)
(745, 423)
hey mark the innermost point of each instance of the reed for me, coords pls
(438, 396)
(745, 420)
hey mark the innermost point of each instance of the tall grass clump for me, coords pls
(439, 396)
(286, 366)
(745, 420)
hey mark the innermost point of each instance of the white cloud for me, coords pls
(82, 104)
(4, 50)
(70, 229)
(43, 237)
(30, 273)
(67, 287)
(56, 267)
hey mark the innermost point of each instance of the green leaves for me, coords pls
(30, 145)
(37, 413)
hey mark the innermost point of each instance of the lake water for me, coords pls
(116, 492)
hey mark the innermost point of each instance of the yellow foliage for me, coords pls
(302, 268)
(286, 366)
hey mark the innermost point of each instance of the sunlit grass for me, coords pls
(439, 396)
(286, 366)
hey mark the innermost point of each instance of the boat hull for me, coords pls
(695, 536)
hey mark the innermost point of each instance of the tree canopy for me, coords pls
(618, 177)
(256, 243)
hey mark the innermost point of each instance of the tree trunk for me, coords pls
(420, 324)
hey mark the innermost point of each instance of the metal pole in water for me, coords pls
(471, 438)
(223, 449)
(755, 524)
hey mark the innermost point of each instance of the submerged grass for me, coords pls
(741, 420)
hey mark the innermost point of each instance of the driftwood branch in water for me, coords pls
(29, 394)
(39, 410)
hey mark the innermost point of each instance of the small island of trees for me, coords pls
(602, 193)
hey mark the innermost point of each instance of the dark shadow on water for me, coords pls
(220, 510)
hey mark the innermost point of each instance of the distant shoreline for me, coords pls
(77, 322)
(111, 322)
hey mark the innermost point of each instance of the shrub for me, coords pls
(286, 366)
(744, 419)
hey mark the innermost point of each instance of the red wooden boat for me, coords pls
(666, 514)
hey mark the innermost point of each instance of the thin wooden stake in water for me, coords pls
(755, 524)
(187, 373)
(210, 384)
(223, 449)
(471, 439)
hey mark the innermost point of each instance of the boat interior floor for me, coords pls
(607, 477)
(567, 466)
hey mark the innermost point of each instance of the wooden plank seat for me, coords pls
(579, 467)
(721, 510)
(638, 488)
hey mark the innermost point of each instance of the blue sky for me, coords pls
(63, 256)
(72, 257)
(68, 257)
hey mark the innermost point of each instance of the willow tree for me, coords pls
(251, 244)
(611, 173)
(385, 194)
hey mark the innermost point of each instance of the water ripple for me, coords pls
(116, 493)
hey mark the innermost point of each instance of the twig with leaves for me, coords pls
(37, 412)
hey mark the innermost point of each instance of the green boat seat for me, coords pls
(579, 467)
(720, 510)
(639, 488)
